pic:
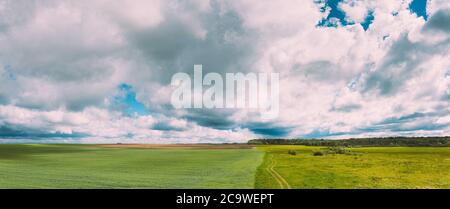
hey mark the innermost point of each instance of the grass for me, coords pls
(271, 166)
(387, 167)
(88, 166)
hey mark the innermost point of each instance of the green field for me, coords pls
(387, 167)
(265, 166)
(87, 166)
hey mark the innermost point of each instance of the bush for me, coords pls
(338, 150)
(334, 151)
(318, 153)
(292, 152)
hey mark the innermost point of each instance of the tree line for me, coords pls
(362, 142)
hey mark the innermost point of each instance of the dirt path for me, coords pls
(281, 181)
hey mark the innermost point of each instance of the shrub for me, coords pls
(334, 151)
(338, 150)
(292, 152)
(318, 153)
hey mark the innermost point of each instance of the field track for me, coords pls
(281, 181)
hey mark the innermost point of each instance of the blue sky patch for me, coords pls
(369, 19)
(127, 103)
(337, 17)
(336, 14)
(420, 8)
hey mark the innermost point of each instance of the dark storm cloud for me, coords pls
(399, 127)
(163, 126)
(439, 22)
(175, 46)
(57, 57)
(211, 118)
(400, 64)
(220, 120)
(8, 131)
(446, 97)
(77, 77)
(405, 56)
(411, 122)
(268, 129)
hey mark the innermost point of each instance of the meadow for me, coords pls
(373, 167)
(220, 166)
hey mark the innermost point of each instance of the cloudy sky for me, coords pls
(99, 71)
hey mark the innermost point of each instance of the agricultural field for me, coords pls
(95, 166)
(386, 167)
(221, 166)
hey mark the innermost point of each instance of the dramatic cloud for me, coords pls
(99, 71)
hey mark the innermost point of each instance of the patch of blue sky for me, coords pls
(369, 20)
(337, 16)
(126, 101)
(419, 7)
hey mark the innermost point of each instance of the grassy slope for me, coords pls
(84, 166)
(393, 167)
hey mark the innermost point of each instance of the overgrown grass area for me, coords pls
(90, 166)
(386, 167)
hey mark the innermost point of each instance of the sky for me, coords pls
(99, 71)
